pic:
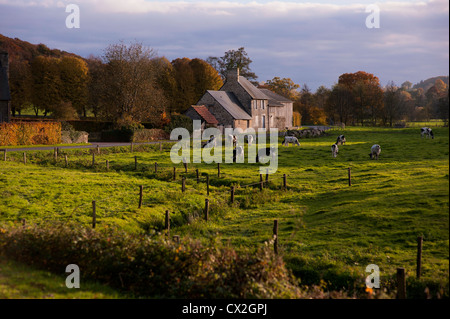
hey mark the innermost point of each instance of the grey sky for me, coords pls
(310, 42)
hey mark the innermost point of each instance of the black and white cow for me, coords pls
(211, 142)
(427, 132)
(290, 139)
(268, 151)
(375, 151)
(334, 150)
(340, 140)
(238, 152)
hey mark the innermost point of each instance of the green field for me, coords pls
(328, 231)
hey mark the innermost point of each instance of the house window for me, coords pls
(256, 104)
(262, 104)
(248, 123)
(256, 120)
(263, 121)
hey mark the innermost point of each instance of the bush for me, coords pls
(151, 267)
(178, 120)
(33, 133)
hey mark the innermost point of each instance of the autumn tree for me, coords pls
(234, 59)
(20, 81)
(191, 79)
(367, 93)
(46, 89)
(284, 87)
(338, 104)
(129, 92)
(73, 73)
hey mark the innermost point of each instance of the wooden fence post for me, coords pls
(207, 184)
(93, 159)
(131, 147)
(419, 256)
(24, 157)
(135, 163)
(174, 173)
(55, 153)
(284, 182)
(349, 176)
(94, 217)
(66, 160)
(156, 167)
(260, 182)
(167, 222)
(218, 170)
(401, 283)
(196, 172)
(275, 236)
(206, 209)
(183, 184)
(98, 149)
(141, 193)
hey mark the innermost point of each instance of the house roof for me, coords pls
(231, 104)
(254, 92)
(5, 94)
(274, 98)
(205, 114)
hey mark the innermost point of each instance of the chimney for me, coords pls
(4, 61)
(233, 75)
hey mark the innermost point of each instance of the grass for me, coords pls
(328, 230)
(19, 281)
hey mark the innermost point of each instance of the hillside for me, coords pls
(22, 50)
(426, 84)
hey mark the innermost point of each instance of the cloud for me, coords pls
(308, 42)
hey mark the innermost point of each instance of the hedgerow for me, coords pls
(151, 266)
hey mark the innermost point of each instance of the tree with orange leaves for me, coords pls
(367, 93)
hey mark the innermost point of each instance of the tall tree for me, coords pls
(338, 103)
(234, 59)
(46, 93)
(367, 92)
(285, 87)
(129, 90)
(73, 73)
(21, 82)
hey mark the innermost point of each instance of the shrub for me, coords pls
(33, 133)
(151, 267)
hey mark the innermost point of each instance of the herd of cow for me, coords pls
(238, 150)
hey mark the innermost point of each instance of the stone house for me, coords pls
(5, 94)
(240, 104)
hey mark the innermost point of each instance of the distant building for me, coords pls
(5, 94)
(238, 103)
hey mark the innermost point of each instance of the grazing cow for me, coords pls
(290, 139)
(427, 132)
(268, 151)
(211, 142)
(237, 152)
(375, 151)
(334, 150)
(250, 139)
(232, 139)
(340, 140)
